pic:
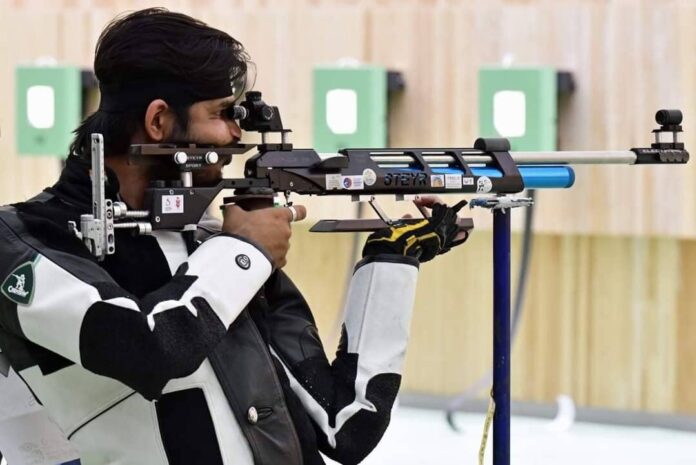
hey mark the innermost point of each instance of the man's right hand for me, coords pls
(267, 227)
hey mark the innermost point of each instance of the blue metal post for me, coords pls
(501, 336)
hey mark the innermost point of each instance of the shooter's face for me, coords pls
(208, 124)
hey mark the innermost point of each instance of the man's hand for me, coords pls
(267, 227)
(424, 239)
(427, 201)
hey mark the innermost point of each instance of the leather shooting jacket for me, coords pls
(186, 348)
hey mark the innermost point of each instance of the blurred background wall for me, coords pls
(609, 317)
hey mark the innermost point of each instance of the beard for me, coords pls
(206, 176)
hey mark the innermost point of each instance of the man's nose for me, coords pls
(235, 130)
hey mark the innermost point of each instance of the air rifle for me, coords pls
(363, 174)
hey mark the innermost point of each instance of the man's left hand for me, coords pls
(423, 240)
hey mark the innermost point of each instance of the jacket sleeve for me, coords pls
(69, 305)
(350, 399)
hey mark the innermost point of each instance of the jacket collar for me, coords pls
(75, 183)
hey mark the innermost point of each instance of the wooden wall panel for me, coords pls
(626, 63)
(609, 316)
(607, 320)
(685, 394)
(20, 177)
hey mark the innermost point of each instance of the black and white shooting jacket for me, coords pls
(192, 350)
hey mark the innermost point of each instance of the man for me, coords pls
(178, 352)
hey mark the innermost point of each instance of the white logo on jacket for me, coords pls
(19, 288)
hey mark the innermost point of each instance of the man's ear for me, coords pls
(159, 120)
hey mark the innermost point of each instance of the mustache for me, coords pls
(181, 137)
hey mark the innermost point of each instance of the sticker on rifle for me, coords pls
(484, 185)
(333, 182)
(172, 204)
(453, 181)
(467, 181)
(352, 182)
(369, 177)
(437, 180)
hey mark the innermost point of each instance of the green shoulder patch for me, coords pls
(19, 285)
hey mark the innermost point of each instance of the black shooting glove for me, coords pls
(422, 240)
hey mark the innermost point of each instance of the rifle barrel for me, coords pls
(618, 157)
